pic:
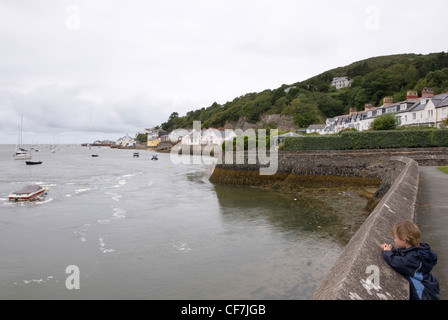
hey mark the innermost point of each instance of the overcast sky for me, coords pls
(79, 70)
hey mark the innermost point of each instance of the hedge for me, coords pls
(370, 140)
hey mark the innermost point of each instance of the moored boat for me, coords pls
(22, 154)
(32, 163)
(27, 193)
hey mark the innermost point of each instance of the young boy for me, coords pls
(414, 260)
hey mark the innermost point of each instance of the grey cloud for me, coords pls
(130, 64)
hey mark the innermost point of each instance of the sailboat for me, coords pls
(21, 153)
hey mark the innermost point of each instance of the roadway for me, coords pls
(432, 218)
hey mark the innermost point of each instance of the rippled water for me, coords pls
(142, 229)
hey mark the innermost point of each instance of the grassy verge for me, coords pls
(443, 169)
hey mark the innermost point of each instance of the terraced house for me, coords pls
(427, 110)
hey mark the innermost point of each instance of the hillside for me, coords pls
(312, 101)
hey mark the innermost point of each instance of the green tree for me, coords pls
(170, 124)
(306, 112)
(142, 137)
(386, 121)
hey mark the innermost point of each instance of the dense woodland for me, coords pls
(314, 100)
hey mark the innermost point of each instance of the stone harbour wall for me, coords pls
(360, 272)
(368, 164)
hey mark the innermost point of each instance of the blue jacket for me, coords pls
(416, 264)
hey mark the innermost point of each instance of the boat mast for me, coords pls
(21, 125)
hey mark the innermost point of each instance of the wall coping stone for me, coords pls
(352, 276)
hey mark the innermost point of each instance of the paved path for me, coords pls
(432, 217)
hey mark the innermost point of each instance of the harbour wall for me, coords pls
(360, 272)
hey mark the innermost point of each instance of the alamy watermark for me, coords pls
(72, 21)
(207, 148)
(72, 281)
(374, 278)
(373, 17)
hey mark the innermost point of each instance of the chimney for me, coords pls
(353, 111)
(412, 95)
(368, 107)
(427, 93)
(388, 101)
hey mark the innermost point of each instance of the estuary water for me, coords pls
(141, 229)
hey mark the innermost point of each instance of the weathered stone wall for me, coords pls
(350, 277)
(326, 168)
(396, 169)
(348, 163)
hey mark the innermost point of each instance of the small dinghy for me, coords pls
(33, 163)
(155, 157)
(28, 193)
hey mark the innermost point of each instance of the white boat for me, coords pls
(28, 193)
(21, 154)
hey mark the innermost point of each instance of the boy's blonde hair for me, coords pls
(407, 231)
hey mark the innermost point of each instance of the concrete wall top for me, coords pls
(361, 273)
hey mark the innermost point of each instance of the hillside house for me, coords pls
(155, 133)
(341, 82)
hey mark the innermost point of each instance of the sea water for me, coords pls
(135, 228)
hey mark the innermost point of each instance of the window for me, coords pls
(403, 106)
(444, 112)
(369, 114)
(379, 112)
(392, 109)
(414, 116)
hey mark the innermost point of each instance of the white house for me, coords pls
(176, 135)
(341, 82)
(214, 136)
(319, 128)
(154, 133)
(126, 141)
(413, 111)
(191, 138)
(441, 104)
(207, 137)
(421, 113)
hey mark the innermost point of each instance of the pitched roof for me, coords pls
(440, 102)
(317, 126)
(290, 134)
